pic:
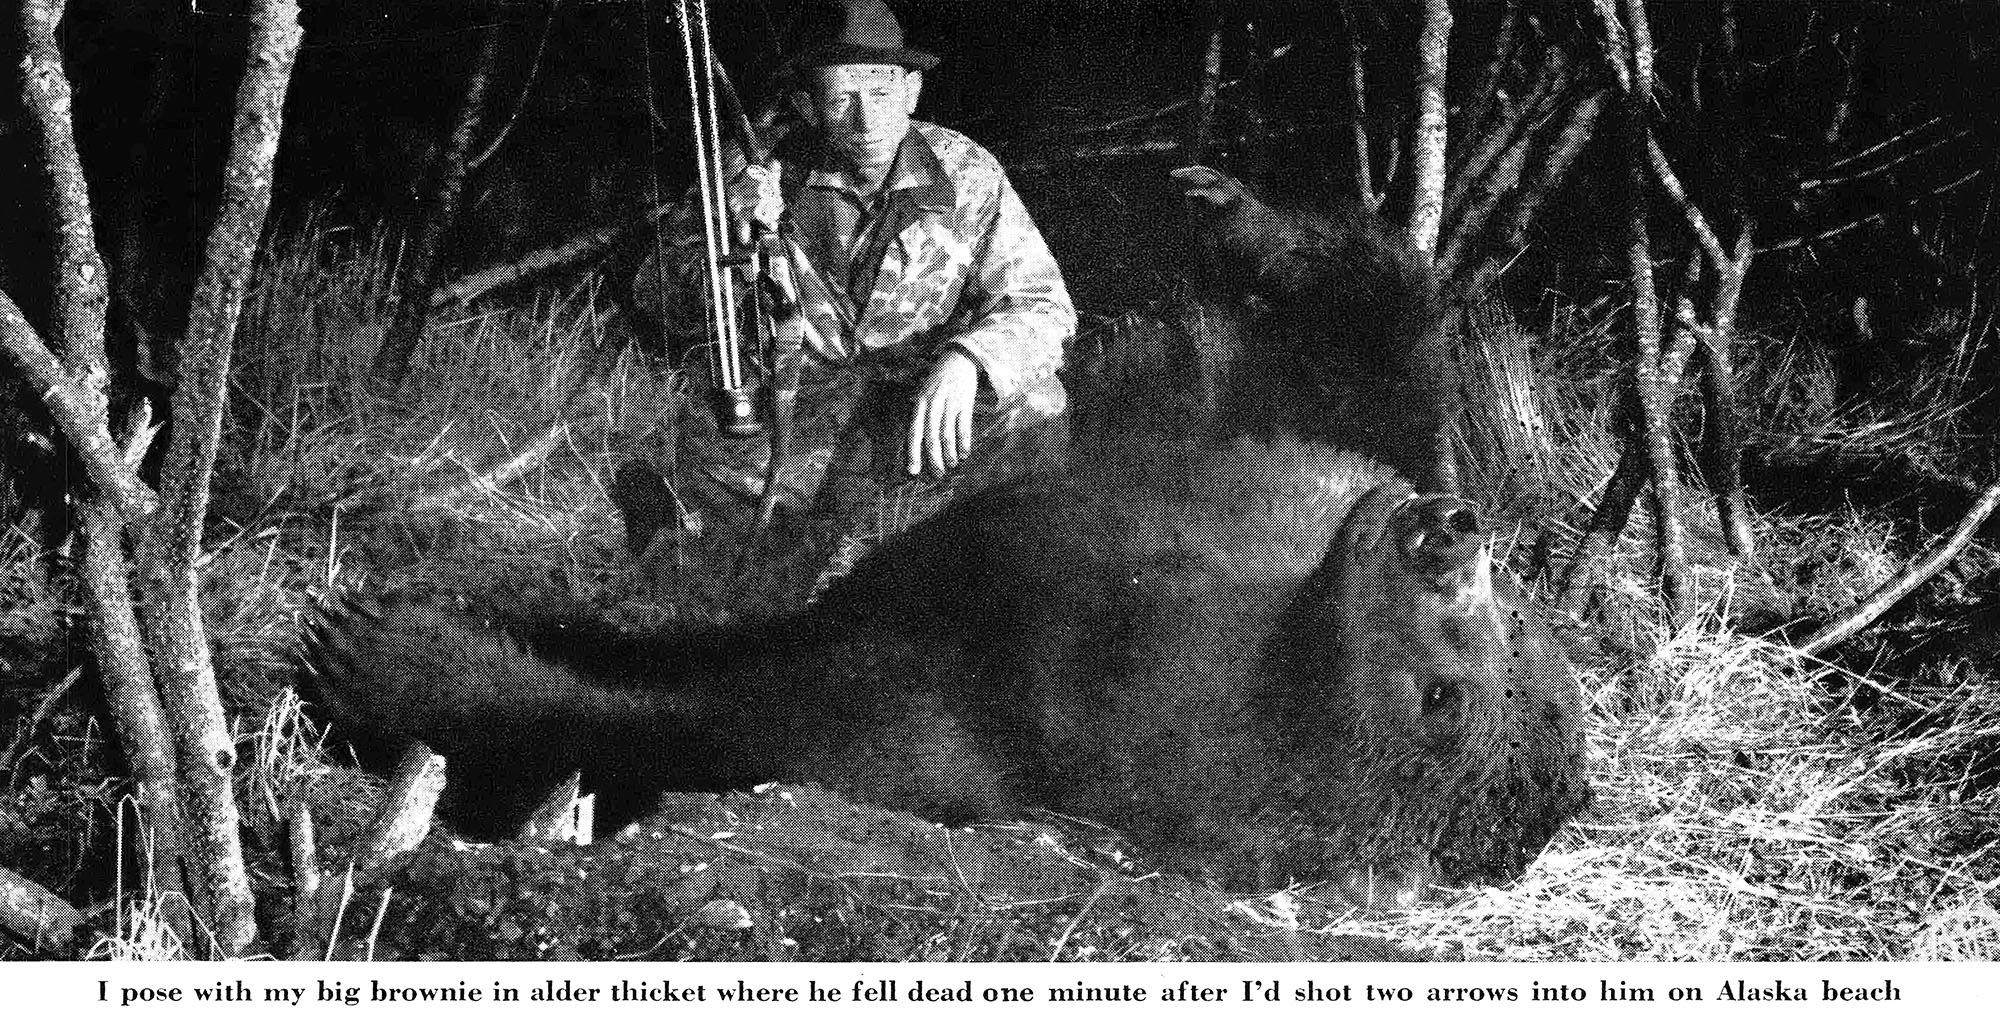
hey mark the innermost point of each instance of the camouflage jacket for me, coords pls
(970, 271)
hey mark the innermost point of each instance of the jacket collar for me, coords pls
(917, 173)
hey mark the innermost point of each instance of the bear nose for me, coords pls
(1441, 533)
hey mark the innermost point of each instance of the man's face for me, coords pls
(863, 110)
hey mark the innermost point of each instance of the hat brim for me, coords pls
(858, 53)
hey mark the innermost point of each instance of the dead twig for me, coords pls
(1870, 609)
(401, 824)
(305, 857)
(764, 858)
(520, 102)
(42, 712)
(502, 474)
(1063, 941)
(469, 287)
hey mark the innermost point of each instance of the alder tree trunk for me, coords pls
(422, 259)
(1427, 151)
(1357, 102)
(1655, 381)
(167, 712)
(71, 373)
(169, 555)
(1201, 134)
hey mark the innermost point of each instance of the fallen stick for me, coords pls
(405, 817)
(1870, 609)
(33, 914)
(468, 287)
(42, 712)
(502, 475)
(401, 823)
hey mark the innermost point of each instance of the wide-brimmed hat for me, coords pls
(849, 32)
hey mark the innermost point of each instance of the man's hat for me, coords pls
(850, 32)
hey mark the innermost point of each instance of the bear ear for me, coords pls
(1207, 185)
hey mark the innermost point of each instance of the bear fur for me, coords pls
(1268, 663)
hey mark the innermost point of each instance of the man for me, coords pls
(935, 316)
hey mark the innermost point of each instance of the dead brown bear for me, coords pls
(1268, 663)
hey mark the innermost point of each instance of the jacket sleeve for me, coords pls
(1020, 312)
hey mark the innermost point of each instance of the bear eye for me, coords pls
(1441, 697)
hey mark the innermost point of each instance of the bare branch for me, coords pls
(143, 735)
(305, 857)
(43, 710)
(1615, 50)
(1671, 185)
(37, 918)
(1547, 169)
(1863, 154)
(1487, 90)
(1585, 574)
(502, 474)
(1201, 132)
(422, 256)
(1357, 96)
(1530, 110)
(1641, 52)
(81, 411)
(1655, 377)
(401, 823)
(1470, 215)
(1886, 166)
(520, 102)
(1806, 240)
(171, 551)
(469, 287)
(82, 291)
(1427, 151)
(1878, 602)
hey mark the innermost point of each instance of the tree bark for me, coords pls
(1357, 101)
(420, 263)
(81, 287)
(1201, 136)
(72, 376)
(1548, 167)
(401, 823)
(76, 399)
(169, 555)
(1585, 574)
(1725, 433)
(1653, 380)
(143, 735)
(1427, 152)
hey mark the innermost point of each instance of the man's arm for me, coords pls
(1020, 310)
(1020, 317)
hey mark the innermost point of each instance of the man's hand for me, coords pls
(755, 199)
(941, 430)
